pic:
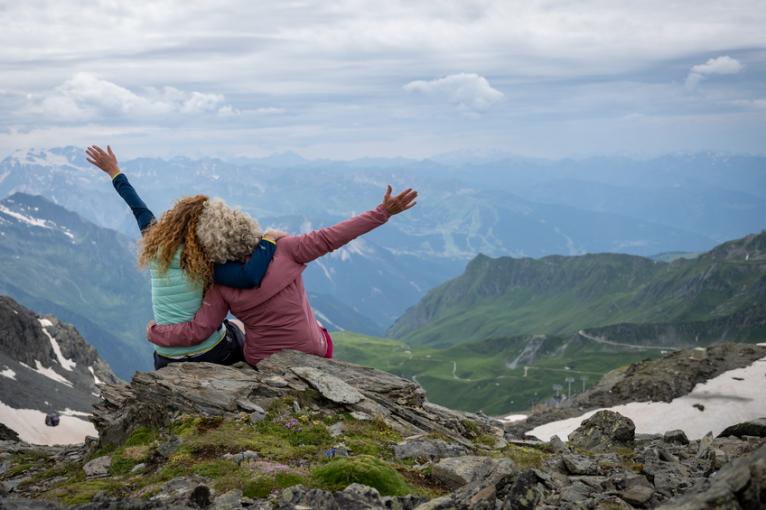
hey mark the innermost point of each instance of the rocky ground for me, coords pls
(658, 380)
(304, 432)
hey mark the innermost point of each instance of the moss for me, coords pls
(487, 440)
(373, 437)
(472, 428)
(23, 462)
(364, 469)
(263, 486)
(525, 457)
(76, 493)
(214, 469)
(141, 436)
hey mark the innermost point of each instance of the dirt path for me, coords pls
(601, 340)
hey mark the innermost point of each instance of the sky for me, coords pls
(352, 79)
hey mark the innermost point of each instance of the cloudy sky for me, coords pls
(348, 79)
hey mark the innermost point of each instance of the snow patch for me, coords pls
(72, 412)
(29, 424)
(29, 220)
(733, 397)
(95, 379)
(66, 363)
(10, 374)
(327, 320)
(47, 372)
(513, 418)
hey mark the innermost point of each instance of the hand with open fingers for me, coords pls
(401, 202)
(275, 235)
(104, 159)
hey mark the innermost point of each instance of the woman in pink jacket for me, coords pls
(277, 315)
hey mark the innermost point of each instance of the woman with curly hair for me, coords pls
(181, 271)
(277, 315)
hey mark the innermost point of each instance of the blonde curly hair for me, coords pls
(177, 227)
(227, 233)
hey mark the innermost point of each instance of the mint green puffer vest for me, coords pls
(176, 298)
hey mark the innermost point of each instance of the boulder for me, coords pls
(455, 472)
(98, 467)
(604, 431)
(740, 484)
(675, 436)
(331, 387)
(579, 464)
(424, 448)
(755, 428)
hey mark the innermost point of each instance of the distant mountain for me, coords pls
(718, 295)
(492, 204)
(55, 262)
(46, 367)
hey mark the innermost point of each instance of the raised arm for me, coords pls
(313, 245)
(107, 162)
(209, 317)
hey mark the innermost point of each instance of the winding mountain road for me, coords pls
(601, 340)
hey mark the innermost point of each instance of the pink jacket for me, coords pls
(277, 315)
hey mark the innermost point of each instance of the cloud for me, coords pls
(718, 65)
(469, 92)
(86, 96)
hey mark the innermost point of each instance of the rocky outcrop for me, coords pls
(658, 380)
(604, 431)
(305, 432)
(755, 428)
(46, 366)
(152, 398)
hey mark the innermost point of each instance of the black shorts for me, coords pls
(227, 352)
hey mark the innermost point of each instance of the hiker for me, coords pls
(180, 271)
(277, 315)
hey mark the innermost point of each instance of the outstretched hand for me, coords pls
(401, 202)
(104, 159)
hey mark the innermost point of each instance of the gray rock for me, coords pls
(557, 444)
(169, 447)
(276, 381)
(331, 387)
(250, 406)
(228, 500)
(455, 472)
(336, 429)
(525, 493)
(98, 467)
(440, 503)
(138, 467)
(677, 436)
(740, 484)
(341, 450)
(755, 428)
(576, 492)
(424, 448)
(257, 416)
(579, 464)
(245, 456)
(637, 494)
(361, 416)
(604, 431)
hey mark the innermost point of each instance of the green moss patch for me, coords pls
(364, 469)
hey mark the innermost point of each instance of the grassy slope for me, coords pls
(560, 295)
(474, 376)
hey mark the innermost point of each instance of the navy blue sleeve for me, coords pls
(249, 274)
(143, 215)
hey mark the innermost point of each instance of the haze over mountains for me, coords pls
(497, 206)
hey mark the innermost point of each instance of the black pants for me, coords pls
(227, 352)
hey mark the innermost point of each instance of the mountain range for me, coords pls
(497, 206)
(601, 292)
